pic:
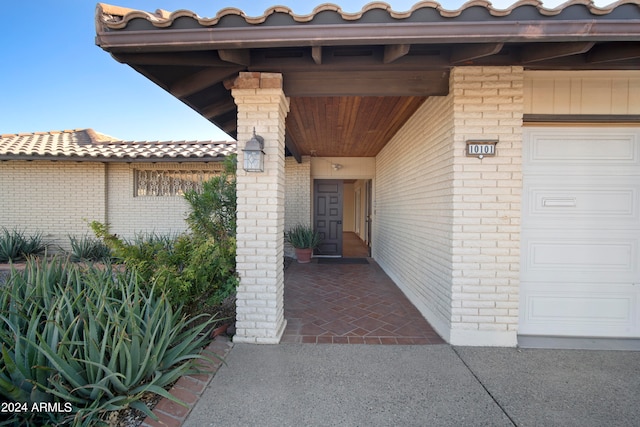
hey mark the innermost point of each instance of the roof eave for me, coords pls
(362, 34)
(26, 157)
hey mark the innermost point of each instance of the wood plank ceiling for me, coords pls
(355, 126)
(349, 96)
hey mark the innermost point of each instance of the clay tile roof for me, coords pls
(89, 145)
(114, 17)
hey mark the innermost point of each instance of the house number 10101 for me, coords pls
(481, 148)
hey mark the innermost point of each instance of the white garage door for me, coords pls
(580, 259)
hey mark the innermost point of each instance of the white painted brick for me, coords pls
(508, 305)
(471, 303)
(493, 312)
(266, 325)
(464, 326)
(270, 313)
(78, 194)
(465, 311)
(478, 319)
(262, 201)
(492, 327)
(428, 153)
(496, 212)
(245, 311)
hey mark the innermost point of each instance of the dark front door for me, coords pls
(328, 216)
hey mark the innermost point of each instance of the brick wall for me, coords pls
(488, 104)
(412, 231)
(56, 198)
(297, 208)
(261, 197)
(129, 215)
(447, 226)
(61, 198)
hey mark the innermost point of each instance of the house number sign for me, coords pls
(480, 149)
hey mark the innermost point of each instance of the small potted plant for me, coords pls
(304, 239)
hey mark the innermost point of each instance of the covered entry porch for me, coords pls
(352, 302)
(410, 101)
(349, 300)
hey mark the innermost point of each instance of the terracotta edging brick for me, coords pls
(189, 388)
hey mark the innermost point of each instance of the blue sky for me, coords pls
(54, 77)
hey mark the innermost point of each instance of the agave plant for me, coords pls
(15, 245)
(302, 237)
(85, 248)
(92, 339)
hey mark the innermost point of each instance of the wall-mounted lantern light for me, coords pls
(253, 154)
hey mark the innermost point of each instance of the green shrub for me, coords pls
(144, 253)
(89, 340)
(214, 209)
(86, 248)
(192, 271)
(153, 239)
(207, 276)
(195, 269)
(15, 245)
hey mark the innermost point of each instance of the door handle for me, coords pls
(559, 202)
(339, 222)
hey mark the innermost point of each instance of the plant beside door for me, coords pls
(304, 240)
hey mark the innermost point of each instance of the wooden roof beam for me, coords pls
(201, 80)
(395, 51)
(614, 52)
(187, 59)
(316, 54)
(470, 52)
(229, 126)
(222, 106)
(293, 149)
(545, 51)
(367, 83)
(236, 56)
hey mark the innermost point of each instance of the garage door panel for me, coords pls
(580, 238)
(598, 309)
(606, 146)
(585, 255)
(558, 203)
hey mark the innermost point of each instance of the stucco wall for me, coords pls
(348, 208)
(413, 210)
(55, 198)
(349, 167)
(359, 216)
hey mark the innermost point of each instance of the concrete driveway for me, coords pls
(435, 385)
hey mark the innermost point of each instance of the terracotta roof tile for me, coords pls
(87, 144)
(114, 17)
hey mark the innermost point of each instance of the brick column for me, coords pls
(488, 104)
(260, 229)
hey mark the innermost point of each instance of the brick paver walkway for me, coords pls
(350, 304)
(189, 388)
